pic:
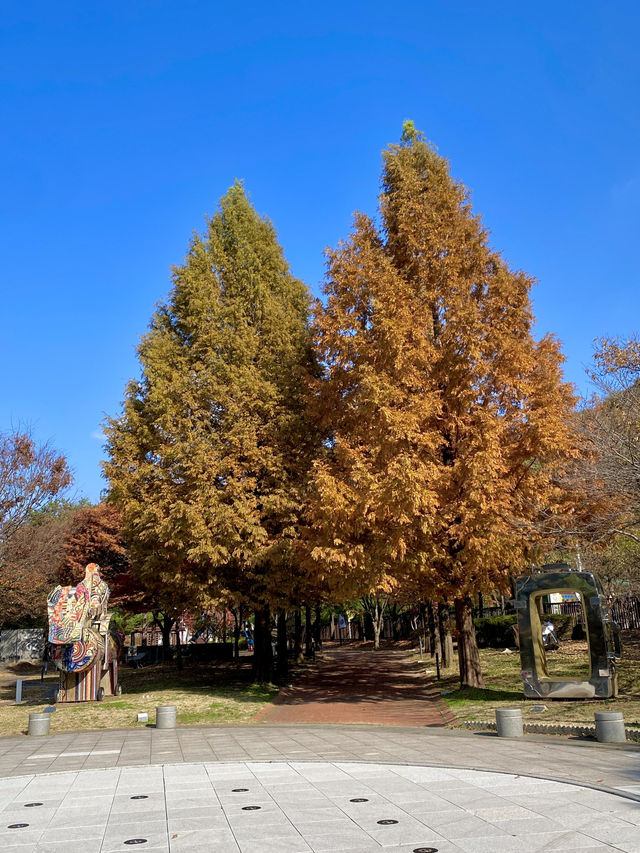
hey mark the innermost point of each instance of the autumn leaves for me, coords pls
(401, 440)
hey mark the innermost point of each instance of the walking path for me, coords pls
(347, 685)
(581, 761)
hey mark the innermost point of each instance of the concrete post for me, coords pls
(509, 722)
(166, 717)
(610, 727)
(18, 691)
(39, 724)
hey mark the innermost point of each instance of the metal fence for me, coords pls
(626, 612)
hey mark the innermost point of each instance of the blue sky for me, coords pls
(125, 122)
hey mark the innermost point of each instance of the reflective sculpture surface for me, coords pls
(81, 645)
(603, 636)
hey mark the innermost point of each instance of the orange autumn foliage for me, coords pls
(444, 418)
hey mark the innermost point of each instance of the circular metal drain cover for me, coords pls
(425, 850)
(387, 822)
(359, 800)
(139, 797)
(31, 805)
(239, 790)
(136, 841)
(17, 825)
(250, 808)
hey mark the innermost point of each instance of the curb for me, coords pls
(592, 786)
(578, 730)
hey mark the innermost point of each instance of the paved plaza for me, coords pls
(284, 789)
(289, 783)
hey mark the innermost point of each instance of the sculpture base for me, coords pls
(89, 686)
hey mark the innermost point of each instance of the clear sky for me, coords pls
(124, 122)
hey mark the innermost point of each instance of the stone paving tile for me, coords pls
(306, 807)
(281, 845)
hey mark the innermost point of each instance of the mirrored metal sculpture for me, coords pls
(80, 643)
(603, 636)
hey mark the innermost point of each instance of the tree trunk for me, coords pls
(237, 624)
(446, 640)
(377, 616)
(424, 629)
(297, 636)
(395, 627)
(480, 605)
(308, 635)
(468, 655)
(317, 629)
(434, 629)
(262, 651)
(165, 624)
(376, 633)
(332, 626)
(282, 662)
(178, 648)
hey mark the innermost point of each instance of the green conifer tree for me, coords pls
(209, 456)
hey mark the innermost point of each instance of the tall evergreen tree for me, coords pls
(210, 453)
(446, 417)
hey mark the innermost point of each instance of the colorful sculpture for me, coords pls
(602, 634)
(81, 645)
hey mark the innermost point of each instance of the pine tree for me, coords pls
(209, 455)
(446, 417)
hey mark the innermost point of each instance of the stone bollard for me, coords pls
(39, 724)
(610, 727)
(509, 721)
(166, 717)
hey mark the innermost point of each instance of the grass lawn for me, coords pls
(504, 686)
(204, 695)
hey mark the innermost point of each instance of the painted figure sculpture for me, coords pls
(603, 635)
(80, 643)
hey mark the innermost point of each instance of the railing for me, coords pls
(626, 612)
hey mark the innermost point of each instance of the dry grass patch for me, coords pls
(504, 687)
(203, 694)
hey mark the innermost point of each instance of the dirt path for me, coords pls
(348, 685)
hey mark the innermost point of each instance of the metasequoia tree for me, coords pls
(207, 460)
(445, 417)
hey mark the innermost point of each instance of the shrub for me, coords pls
(562, 624)
(497, 632)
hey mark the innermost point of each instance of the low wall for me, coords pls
(25, 644)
